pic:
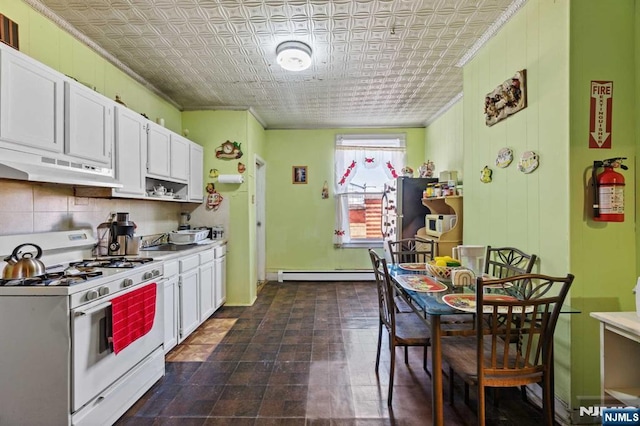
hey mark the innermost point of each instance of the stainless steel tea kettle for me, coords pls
(24, 267)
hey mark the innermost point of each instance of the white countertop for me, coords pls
(628, 321)
(161, 255)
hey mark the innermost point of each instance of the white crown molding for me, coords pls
(65, 26)
(444, 109)
(493, 29)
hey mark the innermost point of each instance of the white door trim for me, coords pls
(260, 185)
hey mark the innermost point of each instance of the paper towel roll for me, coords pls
(230, 178)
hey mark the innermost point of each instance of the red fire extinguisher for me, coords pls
(608, 190)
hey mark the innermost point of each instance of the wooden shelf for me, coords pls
(445, 241)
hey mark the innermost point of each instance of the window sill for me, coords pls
(362, 245)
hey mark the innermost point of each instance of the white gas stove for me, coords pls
(65, 326)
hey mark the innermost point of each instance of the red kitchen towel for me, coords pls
(132, 316)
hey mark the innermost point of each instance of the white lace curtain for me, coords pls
(387, 154)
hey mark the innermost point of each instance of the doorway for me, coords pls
(261, 173)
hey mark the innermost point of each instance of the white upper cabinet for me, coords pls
(31, 103)
(88, 124)
(167, 154)
(158, 151)
(131, 148)
(179, 157)
(196, 180)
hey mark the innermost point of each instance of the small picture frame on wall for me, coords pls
(299, 174)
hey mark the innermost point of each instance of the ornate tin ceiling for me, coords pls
(382, 63)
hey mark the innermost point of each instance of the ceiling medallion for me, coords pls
(293, 55)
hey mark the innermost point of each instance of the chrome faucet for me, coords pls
(162, 239)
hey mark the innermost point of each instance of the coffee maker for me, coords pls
(122, 235)
(184, 221)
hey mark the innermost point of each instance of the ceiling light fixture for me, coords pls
(293, 55)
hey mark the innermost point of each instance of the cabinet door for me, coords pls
(31, 103)
(220, 281)
(131, 147)
(158, 150)
(196, 180)
(88, 124)
(179, 161)
(189, 316)
(170, 313)
(207, 291)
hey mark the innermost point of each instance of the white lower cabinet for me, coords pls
(194, 287)
(189, 302)
(171, 297)
(220, 280)
(207, 289)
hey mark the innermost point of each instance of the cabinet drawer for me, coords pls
(189, 263)
(171, 268)
(207, 256)
(221, 251)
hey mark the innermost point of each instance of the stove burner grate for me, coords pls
(52, 279)
(112, 262)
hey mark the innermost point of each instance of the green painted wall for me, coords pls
(528, 211)
(602, 48)
(41, 39)
(210, 129)
(444, 141)
(256, 136)
(546, 212)
(300, 223)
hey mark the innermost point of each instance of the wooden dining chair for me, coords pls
(411, 250)
(404, 329)
(492, 359)
(503, 262)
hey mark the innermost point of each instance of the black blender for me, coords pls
(122, 234)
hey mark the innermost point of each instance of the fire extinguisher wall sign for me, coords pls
(608, 194)
(600, 112)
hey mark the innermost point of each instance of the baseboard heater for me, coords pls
(335, 275)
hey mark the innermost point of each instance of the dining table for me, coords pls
(445, 310)
(429, 305)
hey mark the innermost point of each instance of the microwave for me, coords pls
(439, 223)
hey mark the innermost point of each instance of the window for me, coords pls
(363, 164)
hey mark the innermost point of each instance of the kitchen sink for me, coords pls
(170, 247)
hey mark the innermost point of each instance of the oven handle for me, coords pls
(93, 310)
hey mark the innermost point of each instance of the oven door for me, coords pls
(94, 365)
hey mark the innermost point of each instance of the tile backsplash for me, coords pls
(28, 207)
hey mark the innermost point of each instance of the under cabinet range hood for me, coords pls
(43, 168)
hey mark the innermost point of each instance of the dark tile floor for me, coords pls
(304, 354)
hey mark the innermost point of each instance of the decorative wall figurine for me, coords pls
(485, 175)
(241, 168)
(528, 162)
(325, 190)
(213, 173)
(427, 169)
(214, 199)
(504, 158)
(507, 99)
(229, 151)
